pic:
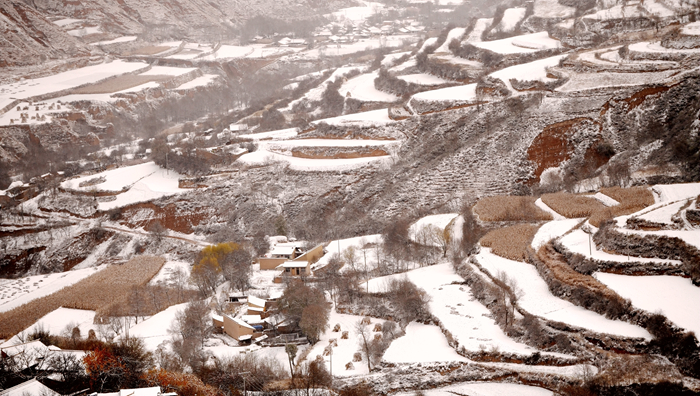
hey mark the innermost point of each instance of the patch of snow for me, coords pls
(439, 222)
(578, 242)
(261, 157)
(168, 71)
(340, 246)
(17, 292)
(525, 43)
(533, 71)
(343, 353)
(484, 389)
(154, 330)
(654, 47)
(675, 192)
(454, 34)
(362, 88)
(62, 321)
(677, 298)
(390, 59)
(229, 52)
(538, 300)
(556, 216)
(589, 81)
(66, 21)
(511, 17)
(279, 134)
(422, 79)
(123, 39)
(198, 82)
(421, 344)
(66, 80)
(459, 93)
(691, 29)
(552, 230)
(604, 199)
(551, 9)
(366, 118)
(662, 214)
(475, 35)
(81, 32)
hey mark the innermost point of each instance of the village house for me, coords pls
(238, 329)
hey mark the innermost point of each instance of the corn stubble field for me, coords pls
(97, 292)
(510, 208)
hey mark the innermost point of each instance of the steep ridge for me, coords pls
(28, 37)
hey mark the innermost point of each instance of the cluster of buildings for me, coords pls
(258, 324)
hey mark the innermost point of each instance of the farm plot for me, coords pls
(526, 43)
(552, 230)
(262, 157)
(572, 205)
(366, 118)
(553, 9)
(509, 208)
(454, 34)
(533, 71)
(229, 52)
(675, 297)
(198, 82)
(510, 19)
(131, 184)
(390, 59)
(589, 81)
(421, 344)
(674, 192)
(691, 237)
(511, 242)
(484, 389)
(316, 94)
(452, 303)
(475, 35)
(362, 88)
(61, 321)
(579, 242)
(462, 93)
(662, 214)
(155, 330)
(346, 348)
(112, 283)
(17, 292)
(66, 80)
(422, 79)
(357, 248)
(538, 300)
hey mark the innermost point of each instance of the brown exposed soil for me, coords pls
(170, 216)
(639, 97)
(552, 146)
(337, 153)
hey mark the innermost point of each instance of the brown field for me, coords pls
(572, 205)
(557, 264)
(510, 208)
(511, 242)
(631, 200)
(118, 83)
(96, 292)
(150, 50)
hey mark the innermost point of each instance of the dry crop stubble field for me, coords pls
(103, 289)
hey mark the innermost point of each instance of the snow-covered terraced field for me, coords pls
(343, 353)
(465, 93)
(362, 88)
(538, 300)
(17, 292)
(525, 43)
(662, 213)
(371, 254)
(262, 156)
(675, 297)
(533, 71)
(453, 304)
(552, 230)
(421, 344)
(366, 118)
(674, 192)
(439, 222)
(198, 82)
(140, 183)
(454, 34)
(422, 79)
(484, 389)
(168, 71)
(61, 81)
(588, 81)
(156, 329)
(580, 242)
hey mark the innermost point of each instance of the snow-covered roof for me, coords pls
(293, 264)
(262, 337)
(256, 309)
(31, 387)
(282, 250)
(245, 337)
(252, 319)
(217, 318)
(240, 322)
(252, 300)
